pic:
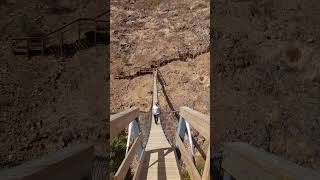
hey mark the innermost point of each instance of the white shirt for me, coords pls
(155, 109)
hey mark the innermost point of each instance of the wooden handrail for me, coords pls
(74, 162)
(57, 30)
(192, 170)
(101, 21)
(201, 123)
(206, 171)
(104, 13)
(139, 168)
(197, 120)
(121, 120)
(245, 162)
(124, 167)
(69, 24)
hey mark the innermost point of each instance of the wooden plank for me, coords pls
(124, 167)
(137, 174)
(161, 164)
(243, 161)
(197, 120)
(192, 170)
(122, 120)
(206, 171)
(74, 163)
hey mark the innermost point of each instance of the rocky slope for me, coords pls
(266, 77)
(48, 103)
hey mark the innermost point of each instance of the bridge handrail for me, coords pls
(197, 120)
(73, 162)
(124, 167)
(241, 161)
(201, 123)
(118, 122)
(121, 120)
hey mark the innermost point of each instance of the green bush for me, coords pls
(185, 174)
(117, 153)
(200, 168)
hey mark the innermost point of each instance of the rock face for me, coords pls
(48, 104)
(266, 77)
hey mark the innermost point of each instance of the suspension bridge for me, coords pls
(159, 159)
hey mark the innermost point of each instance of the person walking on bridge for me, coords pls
(156, 112)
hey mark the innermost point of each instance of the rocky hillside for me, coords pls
(267, 77)
(48, 103)
(143, 31)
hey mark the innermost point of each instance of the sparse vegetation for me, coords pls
(117, 153)
(185, 174)
(200, 168)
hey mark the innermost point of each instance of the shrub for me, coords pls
(185, 174)
(117, 153)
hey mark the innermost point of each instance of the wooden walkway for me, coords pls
(160, 160)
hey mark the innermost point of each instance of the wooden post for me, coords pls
(206, 171)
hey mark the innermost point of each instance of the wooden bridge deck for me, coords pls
(160, 160)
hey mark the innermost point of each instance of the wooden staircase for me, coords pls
(79, 34)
